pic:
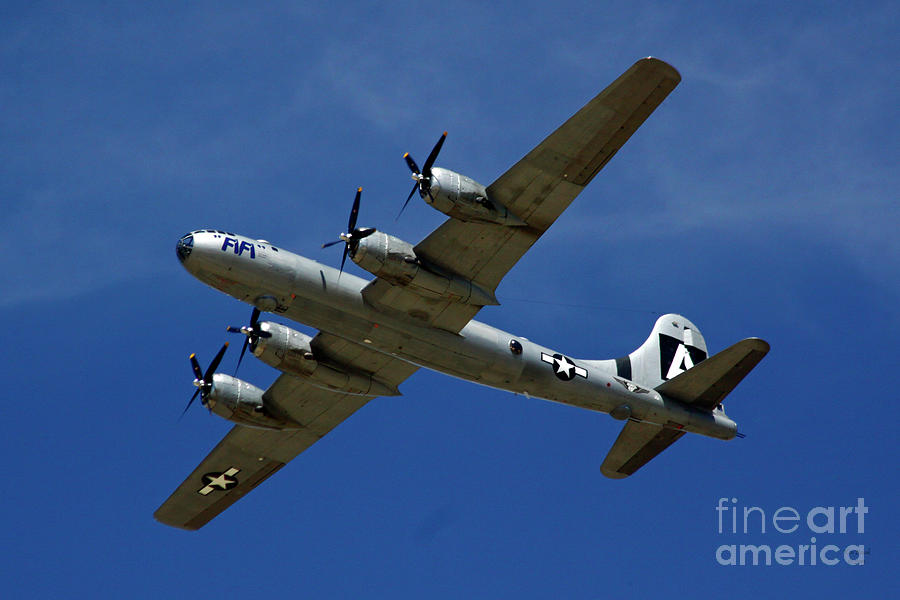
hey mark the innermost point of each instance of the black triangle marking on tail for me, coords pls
(670, 348)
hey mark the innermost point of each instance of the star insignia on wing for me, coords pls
(219, 481)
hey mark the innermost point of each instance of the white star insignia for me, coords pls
(221, 481)
(563, 367)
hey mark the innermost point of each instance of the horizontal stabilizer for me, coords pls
(635, 446)
(706, 384)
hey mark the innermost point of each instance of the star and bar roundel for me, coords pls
(563, 367)
(219, 481)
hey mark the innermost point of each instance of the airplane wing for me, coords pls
(636, 445)
(537, 189)
(247, 456)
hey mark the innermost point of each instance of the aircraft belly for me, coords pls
(479, 353)
(320, 297)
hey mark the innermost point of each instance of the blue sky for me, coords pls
(759, 200)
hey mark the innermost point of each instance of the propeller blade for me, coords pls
(411, 163)
(241, 357)
(362, 233)
(207, 377)
(204, 378)
(423, 177)
(191, 401)
(344, 259)
(354, 212)
(252, 332)
(353, 235)
(429, 162)
(408, 198)
(198, 372)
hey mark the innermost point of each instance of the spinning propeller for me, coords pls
(351, 239)
(204, 381)
(422, 177)
(253, 333)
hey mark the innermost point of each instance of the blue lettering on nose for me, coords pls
(247, 246)
(239, 248)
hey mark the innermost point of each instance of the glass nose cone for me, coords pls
(184, 246)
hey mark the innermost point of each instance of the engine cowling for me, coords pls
(291, 351)
(395, 261)
(241, 402)
(465, 199)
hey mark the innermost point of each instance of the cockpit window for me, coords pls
(184, 246)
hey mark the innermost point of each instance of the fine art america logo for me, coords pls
(828, 535)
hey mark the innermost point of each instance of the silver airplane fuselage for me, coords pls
(305, 291)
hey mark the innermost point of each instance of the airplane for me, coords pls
(418, 312)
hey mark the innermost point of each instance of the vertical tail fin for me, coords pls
(674, 346)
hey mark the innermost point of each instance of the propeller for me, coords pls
(204, 381)
(253, 331)
(422, 177)
(351, 239)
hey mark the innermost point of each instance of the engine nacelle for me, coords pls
(395, 261)
(467, 200)
(291, 351)
(241, 402)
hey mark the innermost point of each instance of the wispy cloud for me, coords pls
(792, 132)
